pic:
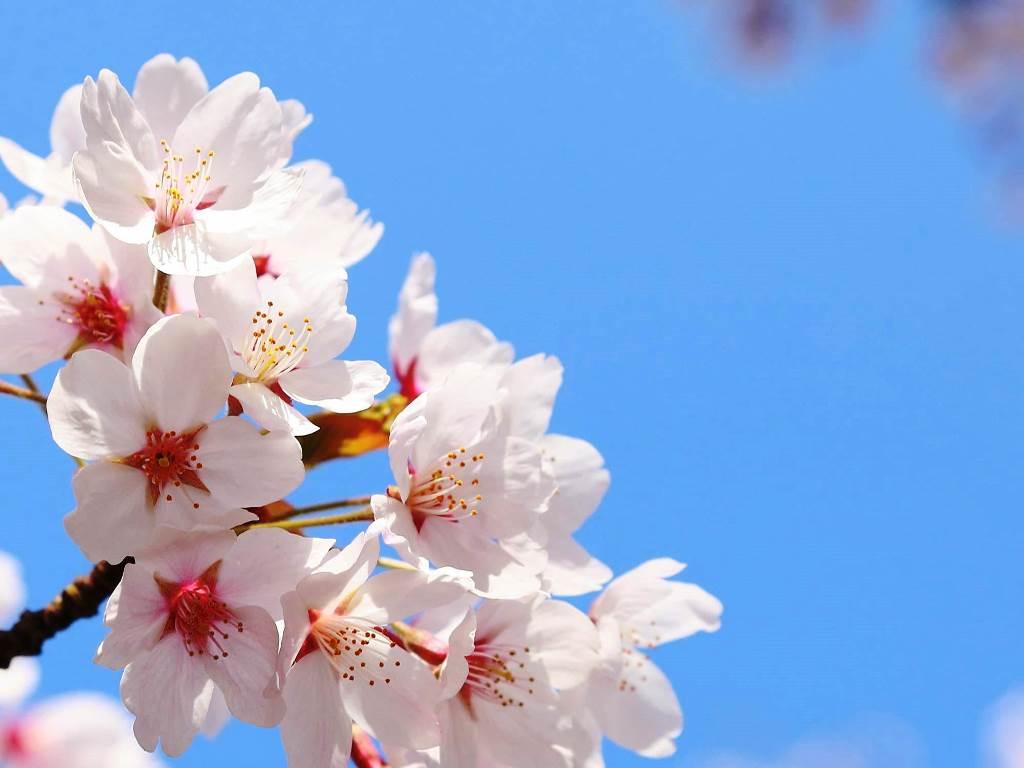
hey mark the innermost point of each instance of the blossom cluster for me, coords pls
(201, 320)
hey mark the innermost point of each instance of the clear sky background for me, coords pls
(788, 316)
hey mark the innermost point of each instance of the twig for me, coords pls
(161, 290)
(362, 515)
(79, 600)
(24, 393)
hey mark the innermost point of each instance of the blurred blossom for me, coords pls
(1003, 736)
(872, 742)
(766, 32)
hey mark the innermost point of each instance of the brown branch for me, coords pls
(161, 290)
(79, 600)
(26, 394)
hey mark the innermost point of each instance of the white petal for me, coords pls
(247, 667)
(341, 574)
(265, 214)
(637, 708)
(417, 312)
(396, 595)
(183, 372)
(268, 410)
(243, 468)
(192, 249)
(12, 587)
(401, 683)
(67, 134)
(94, 408)
(230, 299)
(17, 683)
(50, 177)
(450, 344)
(337, 385)
(165, 91)
(582, 481)
(32, 332)
(169, 693)
(111, 519)
(316, 730)
(531, 385)
(564, 640)
(242, 123)
(42, 246)
(571, 570)
(265, 563)
(137, 616)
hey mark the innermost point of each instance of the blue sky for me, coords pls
(788, 315)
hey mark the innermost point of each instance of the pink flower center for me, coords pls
(184, 187)
(498, 674)
(449, 491)
(358, 650)
(170, 461)
(95, 311)
(12, 742)
(203, 622)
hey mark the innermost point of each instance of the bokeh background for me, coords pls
(785, 289)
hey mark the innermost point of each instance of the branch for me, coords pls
(79, 600)
(24, 393)
(359, 516)
(161, 290)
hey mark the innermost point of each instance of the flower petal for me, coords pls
(42, 246)
(67, 134)
(461, 341)
(417, 312)
(137, 616)
(243, 468)
(192, 249)
(50, 177)
(33, 334)
(230, 298)
(268, 410)
(111, 519)
(94, 408)
(316, 730)
(337, 385)
(183, 372)
(169, 693)
(165, 91)
(247, 667)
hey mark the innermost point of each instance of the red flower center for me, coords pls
(169, 460)
(95, 311)
(202, 620)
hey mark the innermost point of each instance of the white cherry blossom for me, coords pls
(341, 664)
(77, 730)
(80, 289)
(285, 336)
(505, 665)
(165, 89)
(19, 680)
(466, 489)
(627, 697)
(196, 613)
(423, 353)
(159, 455)
(199, 188)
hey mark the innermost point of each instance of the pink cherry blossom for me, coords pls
(199, 188)
(195, 614)
(285, 336)
(466, 489)
(628, 698)
(422, 353)
(80, 289)
(159, 455)
(341, 664)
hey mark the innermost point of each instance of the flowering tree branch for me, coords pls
(23, 392)
(161, 290)
(359, 516)
(80, 599)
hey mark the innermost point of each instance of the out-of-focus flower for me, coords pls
(159, 456)
(195, 613)
(423, 353)
(341, 664)
(285, 336)
(80, 289)
(200, 188)
(627, 698)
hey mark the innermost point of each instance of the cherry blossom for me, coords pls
(504, 665)
(159, 457)
(423, 353)
(341, 664)
(627, 698)
(466, 489)
(80, 289)
(284, 337)
(199, 188)
(196, 613)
